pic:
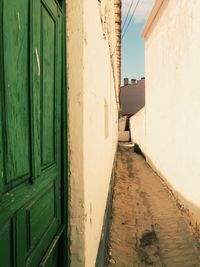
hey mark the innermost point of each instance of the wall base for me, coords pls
(189, 209)
(103, 250)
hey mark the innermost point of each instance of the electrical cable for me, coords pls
(124, 23)
(130, 19)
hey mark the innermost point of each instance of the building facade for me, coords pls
(93, 33)
(169, 124)
(59, 87)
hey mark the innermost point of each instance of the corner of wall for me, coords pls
(75, 131)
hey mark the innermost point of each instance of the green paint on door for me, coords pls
(48, 89)
(5, 248)
(15, 92)
(30, 132)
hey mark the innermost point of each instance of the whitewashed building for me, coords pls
(93, 59)
(168, 129)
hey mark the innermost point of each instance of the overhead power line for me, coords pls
(123, 34)
(127, 15)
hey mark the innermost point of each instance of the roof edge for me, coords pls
(154, 17)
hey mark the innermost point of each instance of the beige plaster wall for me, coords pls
(138, 130)
(122, 123)
(75, 36)
(93, 126)
(173, 99)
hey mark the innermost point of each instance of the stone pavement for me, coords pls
(148, 228)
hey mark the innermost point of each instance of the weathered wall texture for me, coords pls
(173, 98)
(137, 129)
(93, 84)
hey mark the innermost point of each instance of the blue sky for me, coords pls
(132, 43)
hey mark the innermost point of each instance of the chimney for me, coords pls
(133, 81)
(126, 81)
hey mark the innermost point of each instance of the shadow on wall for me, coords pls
(138, 150)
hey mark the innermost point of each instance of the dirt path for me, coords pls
(148, 229)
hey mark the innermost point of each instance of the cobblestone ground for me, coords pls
(148, 229)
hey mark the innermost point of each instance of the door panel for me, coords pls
(48, 88)
(35, 83)
(16, 130)
(30, 132)
(44, 209)
(6, 245)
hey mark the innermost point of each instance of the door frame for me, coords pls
(65, 259)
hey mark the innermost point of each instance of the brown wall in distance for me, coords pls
(132, 97)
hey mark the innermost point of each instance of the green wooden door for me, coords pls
(30, 133)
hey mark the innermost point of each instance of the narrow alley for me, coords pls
(148, 226)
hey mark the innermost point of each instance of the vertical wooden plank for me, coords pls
(58, 107)
(65, 252)
(1, 153)
(6, 245)
(35, 78)
(48, 87)
(1, 87)
(16, 91)
(20, 237)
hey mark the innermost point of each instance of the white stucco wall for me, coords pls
(173, 99)
(93, 126)
(138, 130)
